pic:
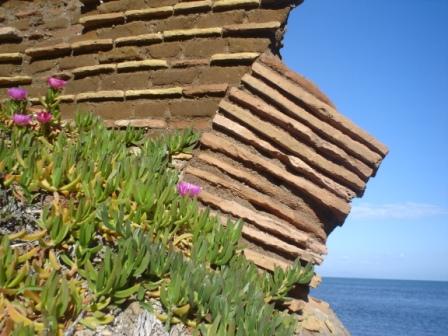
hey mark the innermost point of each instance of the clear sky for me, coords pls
(384, 63)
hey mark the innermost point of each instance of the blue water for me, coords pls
(388, 307)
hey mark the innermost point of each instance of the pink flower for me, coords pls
(188, 189)
(44, 117)
(22, 119)
(17, 93)
(56, 83)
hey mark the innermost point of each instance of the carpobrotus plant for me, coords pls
(45, 119)
(119, 227)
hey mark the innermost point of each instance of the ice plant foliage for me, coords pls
(56, 83)
(17, 94)
(117, 231)
(188, 189)
(22, 119)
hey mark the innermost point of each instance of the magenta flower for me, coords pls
(188, 189)
(44, 117)
(22, 119)
(17, 93)
(56, 83)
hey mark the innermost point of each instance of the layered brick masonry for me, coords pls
(138, 59)
(274, 151)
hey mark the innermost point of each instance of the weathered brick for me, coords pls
(49, 51)
(126, 30)
(8, 70)
(149, 13)
(112, 110)
(182, 34)
(120, 54)
(39, 66)
(266, 15)
(93, 70)
(80, 85)
(15, 80)
(195, 123)
(10, 34)
(194, 108)
(92, 45)
(142, 65)
(139, 39)
(14, 47)
(217, 90)
(233, 58)
(152, 109)
(165, 50)
(11, 58)
(238, 44)
(128, 81)
(101, 20)
(100, 96)
(204, 48)
(220, 19)
(174, 23)
(192, 7)
(113, 6)
(174, 76)
(251, 28)
(57, 23)
(231, 75)
(142, 123)
(188, 63)
(235, 4)
(77, 61)
(172, 92)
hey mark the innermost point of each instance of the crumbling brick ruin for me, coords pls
(274, 150)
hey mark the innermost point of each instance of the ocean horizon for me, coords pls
(379, 307)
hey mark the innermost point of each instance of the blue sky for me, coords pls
(385, 65)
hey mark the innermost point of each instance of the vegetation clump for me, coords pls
(116, 226)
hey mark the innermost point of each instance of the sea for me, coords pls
(370, 307)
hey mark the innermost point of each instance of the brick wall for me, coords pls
(163, 63)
